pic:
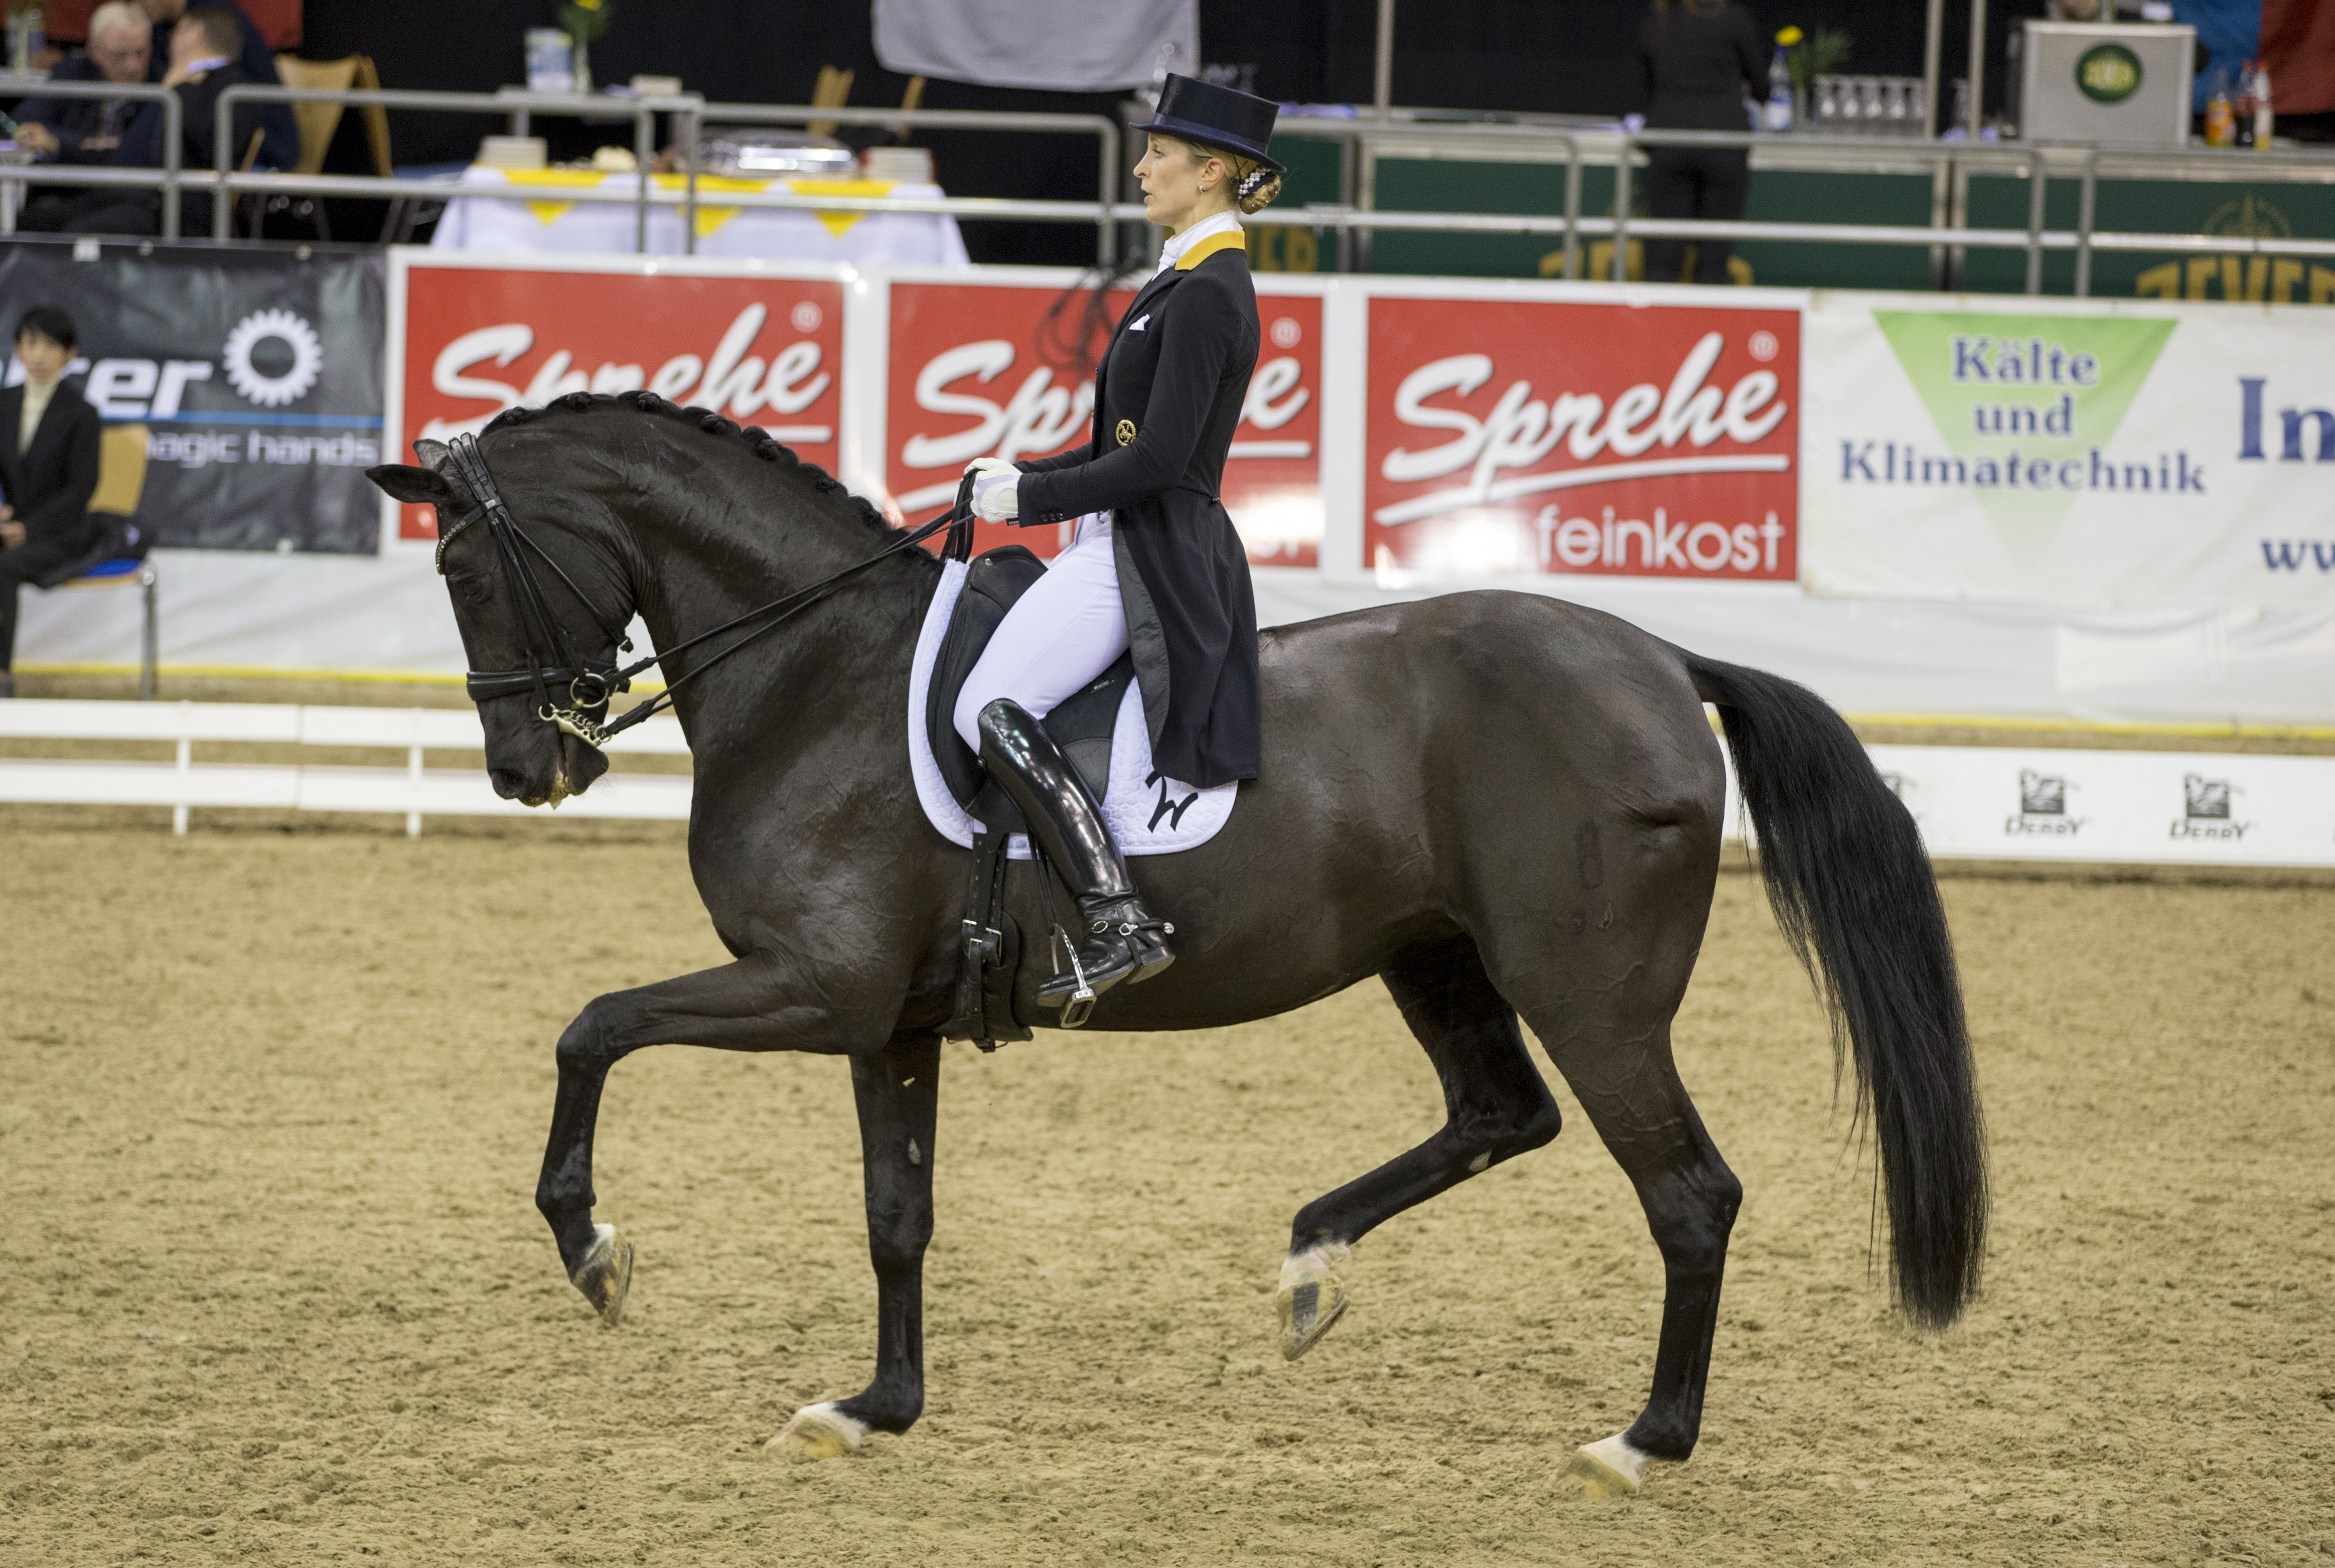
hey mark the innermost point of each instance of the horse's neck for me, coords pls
(698, 575)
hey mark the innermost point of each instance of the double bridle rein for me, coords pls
(553, 660)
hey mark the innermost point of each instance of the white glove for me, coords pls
(996, 494)
(986, 465)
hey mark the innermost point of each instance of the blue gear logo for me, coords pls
(254, 384)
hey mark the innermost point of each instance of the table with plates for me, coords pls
(540, 215)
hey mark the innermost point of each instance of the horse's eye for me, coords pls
(474, 590)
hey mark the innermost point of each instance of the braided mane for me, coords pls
(756, 440)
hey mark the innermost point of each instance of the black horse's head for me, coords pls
(532, 592)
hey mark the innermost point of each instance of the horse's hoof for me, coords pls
(606, 1274)
(1311, 1300)
(1610, 1468)
(821, 1432)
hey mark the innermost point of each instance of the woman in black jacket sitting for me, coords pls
(48, 468)
(1701, 59)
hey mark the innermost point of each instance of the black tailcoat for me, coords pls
(1166, 401)
(49, 483)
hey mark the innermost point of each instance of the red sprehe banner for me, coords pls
(992, 370)
(480, 338)
(1558, 435)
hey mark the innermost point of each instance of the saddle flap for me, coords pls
(1080, 724)
(992, 584)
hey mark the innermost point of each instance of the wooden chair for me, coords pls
(832, 91)
(120, 562)
(319, 122)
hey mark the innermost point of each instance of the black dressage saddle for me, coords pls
(1080, 725)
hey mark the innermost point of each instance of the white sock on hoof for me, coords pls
(1312, 1262)
(1615, 1453)
(850, 1428)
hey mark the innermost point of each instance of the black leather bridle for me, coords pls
(553, 660)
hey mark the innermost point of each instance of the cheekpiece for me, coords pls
(1216, 116)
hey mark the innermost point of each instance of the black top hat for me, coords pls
(1216, 116)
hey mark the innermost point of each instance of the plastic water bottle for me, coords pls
(1779, 93)
(26, 38)
(2264, 121)
(2221, 128)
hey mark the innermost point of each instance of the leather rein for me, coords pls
(552, 657)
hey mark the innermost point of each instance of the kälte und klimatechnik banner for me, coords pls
(2078, 453)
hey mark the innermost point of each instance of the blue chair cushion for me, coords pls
(119, 567)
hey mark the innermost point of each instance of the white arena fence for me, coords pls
(414, 790)
(1972, 802)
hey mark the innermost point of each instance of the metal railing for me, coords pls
(87, 174)
(691, 114)
(1365, 139)
(1576, 146)
(1104, 129)
(516, 107)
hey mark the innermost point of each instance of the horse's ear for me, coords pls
(423, 487)
(433, 454)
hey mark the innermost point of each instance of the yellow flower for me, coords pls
(1788, 37)
(588, 4)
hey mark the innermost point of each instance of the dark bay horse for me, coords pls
(1503, 804)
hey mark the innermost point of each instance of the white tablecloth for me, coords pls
(548, 220)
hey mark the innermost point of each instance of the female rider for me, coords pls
(1156, 565)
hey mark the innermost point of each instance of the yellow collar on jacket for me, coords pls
(1208, 247)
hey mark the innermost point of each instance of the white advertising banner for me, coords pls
(2129, 808)
(1821, 486)
(2068, 452)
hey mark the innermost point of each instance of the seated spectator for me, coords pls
(281, 147)
(202, 66)
(88, 130)
(48, 468)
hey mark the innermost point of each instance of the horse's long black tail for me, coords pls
(1852, 889)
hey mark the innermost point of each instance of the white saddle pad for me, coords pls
(1144, 816)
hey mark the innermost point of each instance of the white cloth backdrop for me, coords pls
(1064, 46)
(543, 222)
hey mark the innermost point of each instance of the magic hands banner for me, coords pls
(256, 374)
(2072, 453)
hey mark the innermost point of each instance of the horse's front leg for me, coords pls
(749, 1006)
(898, 1094)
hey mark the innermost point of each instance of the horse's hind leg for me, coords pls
(1497, 1105)
(1621, 1068)
(898, 1094)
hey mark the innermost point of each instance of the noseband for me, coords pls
(552, 658)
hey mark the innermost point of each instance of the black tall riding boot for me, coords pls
(1118, 939)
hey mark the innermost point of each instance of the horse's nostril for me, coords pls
(508, 784)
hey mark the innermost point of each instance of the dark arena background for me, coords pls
(2000, 421)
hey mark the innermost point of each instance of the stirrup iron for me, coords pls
(1081, 1006)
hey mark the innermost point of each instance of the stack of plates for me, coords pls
(759, 149)
(512, 152)
(900, 165)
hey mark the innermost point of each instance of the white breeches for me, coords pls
(1059, 635)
